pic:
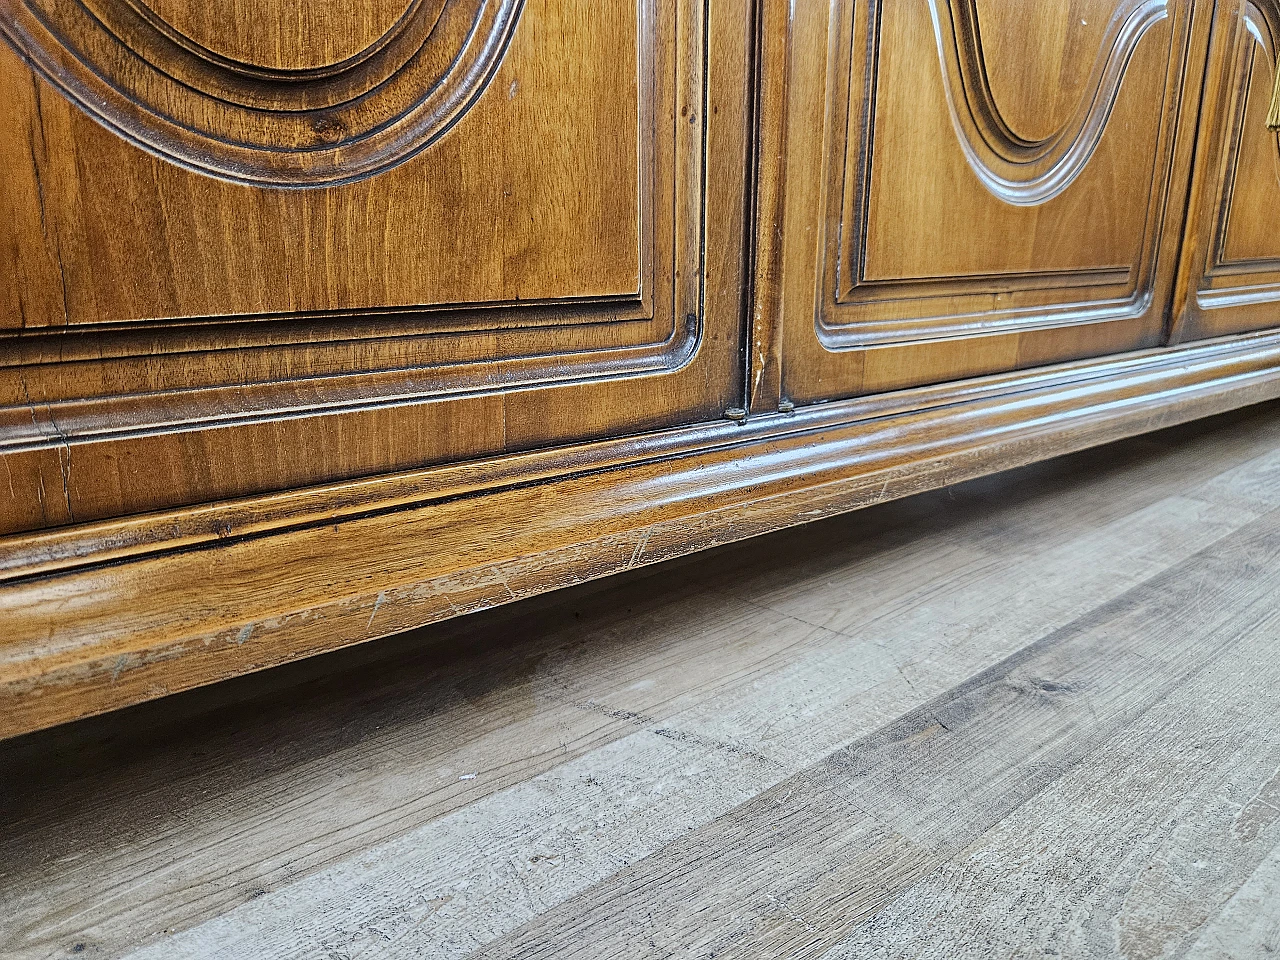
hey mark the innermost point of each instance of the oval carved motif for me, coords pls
(282, 35)
(1020, 171)
(295, 118)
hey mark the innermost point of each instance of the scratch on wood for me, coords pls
(64, 466)
(638, 552)
(382, 596)
(35, 164)
(9, 475)
(902, 673)
(62, 279)
(652, 724)
(44, 514)
(244, 633)
(35, 169)
(698, 740)
(497, 572)
(31, 407)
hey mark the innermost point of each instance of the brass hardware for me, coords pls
(1273, 115)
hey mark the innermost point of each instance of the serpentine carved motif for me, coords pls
(1030, 172)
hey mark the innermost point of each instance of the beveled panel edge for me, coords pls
(101, 616)
(39, 424)
(108, 70)
(1111, 304)
(1214, 298)
(1016, 171)
(884, 333)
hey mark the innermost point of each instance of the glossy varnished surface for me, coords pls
(1231, 257)
(386, 313)
(971, 187)
(190, 597)
(554, 265)
(473, 219)
(1034, 713)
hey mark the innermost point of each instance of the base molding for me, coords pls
(109, 614)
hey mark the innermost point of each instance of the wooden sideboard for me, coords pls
(325, 321)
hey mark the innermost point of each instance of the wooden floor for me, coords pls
(1033, 715)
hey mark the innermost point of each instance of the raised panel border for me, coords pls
(1045, 299)
(104, 615)
(1225, 282)
(364, 360)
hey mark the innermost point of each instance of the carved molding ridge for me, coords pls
(1018, 171)
(1259, 27)
(140, 76)
(381, 537)
(1225, 282)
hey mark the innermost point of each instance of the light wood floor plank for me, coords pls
(1248, 927)
(1133, 850)
(327, 814)
(798, 869)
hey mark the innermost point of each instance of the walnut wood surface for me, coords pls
(966, 193)
(286, 35)
(383, 313)
(166, 617)
(1231, 256)
(557, 267)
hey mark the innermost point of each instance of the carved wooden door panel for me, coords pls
(970, 186)
(255, 244)
(1231, 256)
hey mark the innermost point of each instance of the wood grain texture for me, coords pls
(276, 94)
(928, 236)
(1093, 632)
(379, 315)
(1247, 923)
(472, 221)
(801, 868)
(1230, 276)
(83, 641)
(284, 34)
(1037, 69)
(553, 269)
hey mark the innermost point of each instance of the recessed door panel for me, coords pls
(988, 186)
(262, 243)
(1231, 258)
